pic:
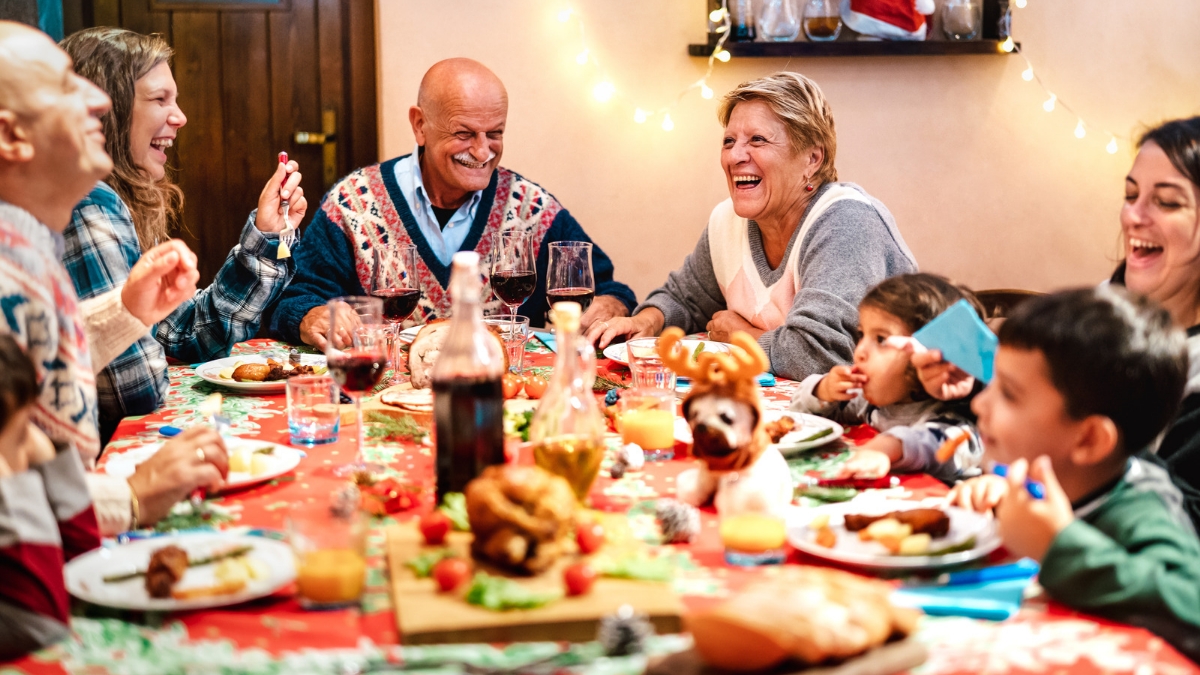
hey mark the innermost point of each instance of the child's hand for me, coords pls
(866, 463)
(940, 378)
(980, 494)
(837, 384)
(1027, 525)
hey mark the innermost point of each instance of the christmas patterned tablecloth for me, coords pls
(275, 635)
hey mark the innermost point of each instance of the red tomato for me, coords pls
(450, 573)
(435, 525)
(579, 578)
(512, 385)
(535, 385)
(589, 536)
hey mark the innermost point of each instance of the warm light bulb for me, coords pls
(1027, 74)
(706, 91)
(603, 91)
(582, 58)
(1048, 106)
(640, 116)
(667, 123)
(1008, 45)
(723, 56)
(565, 15)
(1111, 147)
(717, 15)
(1080, 131)
(1021, 4)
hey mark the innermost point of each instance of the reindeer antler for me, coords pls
(745, 362)
(674, 356)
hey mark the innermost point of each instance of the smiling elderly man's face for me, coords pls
(766, 175)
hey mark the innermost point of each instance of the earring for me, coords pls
(809, 187)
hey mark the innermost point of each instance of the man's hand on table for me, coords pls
(646, 323)
(725, 323)
(603, 310)
(163, 277)
(194, 459)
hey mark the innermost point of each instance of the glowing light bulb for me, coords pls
(582, 58)
(603, 91)
(1008, 45)
(1111, 147)
(640, 116)
(723, 56)
(1048, 106)
(717, 15)
(1080, 131)
(1027, 74)
(667, 124)
(565, 15)
(706, 91)
(1021, 4)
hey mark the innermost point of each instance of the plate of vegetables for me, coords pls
(794, 432)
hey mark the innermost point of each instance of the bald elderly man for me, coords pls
(449, 195)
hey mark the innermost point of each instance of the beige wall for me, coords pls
(986, 187)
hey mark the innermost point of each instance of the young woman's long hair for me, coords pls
(115, 59)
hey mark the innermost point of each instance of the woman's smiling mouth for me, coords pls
(746, 182)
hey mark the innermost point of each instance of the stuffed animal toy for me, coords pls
(740, 470)
(888, 19)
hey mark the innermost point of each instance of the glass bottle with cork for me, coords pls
(468, 399)
(567, 430)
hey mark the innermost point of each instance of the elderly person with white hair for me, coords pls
(790, 254)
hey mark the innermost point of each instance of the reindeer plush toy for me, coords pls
(740, 470)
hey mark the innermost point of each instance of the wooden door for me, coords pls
(252, 74)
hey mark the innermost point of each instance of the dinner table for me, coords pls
(276, 635)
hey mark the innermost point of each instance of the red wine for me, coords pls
(581, 295)
(468, 416)
(513, 288)
(398, 303)
(356, 371)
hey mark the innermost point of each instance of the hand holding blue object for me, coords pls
(1033, 487)
(963, 338)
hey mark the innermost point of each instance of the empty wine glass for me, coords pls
(514, 271)
(356, 354)
(569, 274)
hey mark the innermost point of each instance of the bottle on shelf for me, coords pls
(468, 399)
(567, 430)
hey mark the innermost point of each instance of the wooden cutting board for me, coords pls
(897, 657)
(425, 616)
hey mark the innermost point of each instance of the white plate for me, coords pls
(806, 426)
(850, 551)
(281, 460)
(210, 372)
(409, 334)
(85, 574)
(617, 352)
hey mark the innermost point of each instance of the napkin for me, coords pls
(993, 600)
(964, 339)
(764, 380)
(547, 339)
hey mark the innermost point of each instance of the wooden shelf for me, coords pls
(854, 48)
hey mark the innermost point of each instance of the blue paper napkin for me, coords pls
(963, 338)
(995, 600)
(547, 339)
(764, 380)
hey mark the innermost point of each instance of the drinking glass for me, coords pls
(752, 534)
(395, 282)
(570, 277)
(514, 271)
(778, 20)
(330, 553)
(647, 366)
(961, 19)
(822, 22)
(647, 417)
(313, 412)
(514, 330)
(356, 352)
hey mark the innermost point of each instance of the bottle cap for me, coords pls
(565, 315)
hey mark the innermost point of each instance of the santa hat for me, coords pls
(888, 19)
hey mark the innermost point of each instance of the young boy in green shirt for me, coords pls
(1084, 380)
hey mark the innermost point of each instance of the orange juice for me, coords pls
(652, 429)
(330, 576)
(752, 532)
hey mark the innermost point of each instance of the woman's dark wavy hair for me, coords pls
(115, 59)
(18, 386)
(1180, 140)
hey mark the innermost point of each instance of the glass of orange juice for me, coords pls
(752, 535)
(330, 555)
(647, 417)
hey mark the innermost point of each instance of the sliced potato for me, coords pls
(916, 544)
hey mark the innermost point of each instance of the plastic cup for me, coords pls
(514, 330)
(313, 412)
(647, 366)
(647, 417)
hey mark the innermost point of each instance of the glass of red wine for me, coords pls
(395, 282)
(569, 275)
(514, 271)
(356, 353)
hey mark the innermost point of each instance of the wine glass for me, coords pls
(570, 277)
(395, 282)
(514, 274)
(356, 354)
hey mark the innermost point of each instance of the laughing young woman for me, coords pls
(792, 252)
(137, 206)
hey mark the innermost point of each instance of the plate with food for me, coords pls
(409, 334)
(181, 572)
(619, 354)
(893, 534)
(250, 461)
(794, 432)
(259, 373)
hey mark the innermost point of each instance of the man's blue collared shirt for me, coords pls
(445, 242)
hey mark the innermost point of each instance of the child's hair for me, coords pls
(916, 299)
(1110, 353)
(18, 386)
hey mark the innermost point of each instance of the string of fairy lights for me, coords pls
(604, 90)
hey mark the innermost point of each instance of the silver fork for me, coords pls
(287, 238)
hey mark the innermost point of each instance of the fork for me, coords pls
(210, 408)
(287, 238)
